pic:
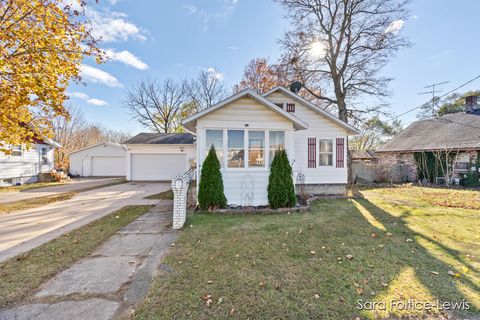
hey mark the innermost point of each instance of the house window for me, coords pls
(256, 148)
(215, 138)
(236, 150)
(17, 151)
(462, 162)
(44, 155)
(325, 153)
(290, 107)
(277, 142)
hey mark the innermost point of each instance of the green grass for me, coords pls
(41, 201)
(30, 186)
(20, 276)
(166, 195)
(296, 267)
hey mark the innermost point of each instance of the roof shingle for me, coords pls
(161, 138)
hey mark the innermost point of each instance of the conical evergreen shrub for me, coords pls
(281, 191)
(210, 190)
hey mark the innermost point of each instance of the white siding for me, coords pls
(133, 149)
(320, 128)
(244, 114)
(81, 162)
(28, 166)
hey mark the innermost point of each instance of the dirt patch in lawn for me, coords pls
(22, 275)
(319, 264)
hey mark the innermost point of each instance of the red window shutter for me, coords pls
(290, 107)
(340, 152)
(312, 152)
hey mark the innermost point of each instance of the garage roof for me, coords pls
(161, 138)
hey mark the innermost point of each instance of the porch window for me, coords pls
(236, 149)
(17, 151)
(256, 148)
(277, 142)
(325, 153)
(215, 138)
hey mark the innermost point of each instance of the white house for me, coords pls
(159, 156)
(23, 165)
(247, 128)
(101, 160)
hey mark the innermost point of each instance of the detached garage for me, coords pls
(101, 160)
(159, 156)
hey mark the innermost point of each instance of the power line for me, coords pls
(445, 94)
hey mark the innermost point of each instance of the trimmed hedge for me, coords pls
(281, 191)
(210, 190)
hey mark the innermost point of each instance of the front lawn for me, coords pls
(21, 275)
(392, 244)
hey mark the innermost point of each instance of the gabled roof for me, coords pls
(161, 138)
(190, 122)
(351, 130)
(113, 144)
(362, 154)
(457, 131)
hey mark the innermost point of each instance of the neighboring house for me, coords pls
(159, 156)
(457, 134)
(23, 165)
(365, 156)
(100, 160)
(247, 128)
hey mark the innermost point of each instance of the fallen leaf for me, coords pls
(374, 235)
(300, 231)
(232, 311)
(220, 300)
(409, 240)
(209, 281)
(388, 234)
(464, 269)
(277, 286)
(450, 272)
(381, 245)
(360, 290)
(384, 284)
(172, 245)
(434, 272)
(312, 252)
(316, 296)
(349, 256)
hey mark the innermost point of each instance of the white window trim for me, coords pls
(21, 150)
(333, 153)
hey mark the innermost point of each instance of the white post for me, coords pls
(180, 188)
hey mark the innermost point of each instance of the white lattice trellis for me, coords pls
(248, 188)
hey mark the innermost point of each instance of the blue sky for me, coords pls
(176, 39)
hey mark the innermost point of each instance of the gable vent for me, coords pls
(290, 107)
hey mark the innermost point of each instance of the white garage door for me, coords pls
(153, 166)
(108, 166)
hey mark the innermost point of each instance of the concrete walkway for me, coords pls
(24, 230)
(74, 185)
(111, 281)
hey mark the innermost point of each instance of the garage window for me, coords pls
(215, 138)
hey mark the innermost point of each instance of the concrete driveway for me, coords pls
(23, 230)
(74, 185)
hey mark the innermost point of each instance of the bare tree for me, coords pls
(205, 90)
(155, 105)
(340, 46)
(77, 133)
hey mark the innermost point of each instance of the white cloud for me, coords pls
(97, 102)
(113, 26)
(215, 73)
(127, 58)
(113, 2)
(96, 75)
(232, 48)
(84, 96)
(223, 10)
(395, 26)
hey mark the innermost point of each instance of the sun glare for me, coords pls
(317, 49)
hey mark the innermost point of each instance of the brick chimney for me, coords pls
(471, 104)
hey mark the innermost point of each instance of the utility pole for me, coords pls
(432, 92)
